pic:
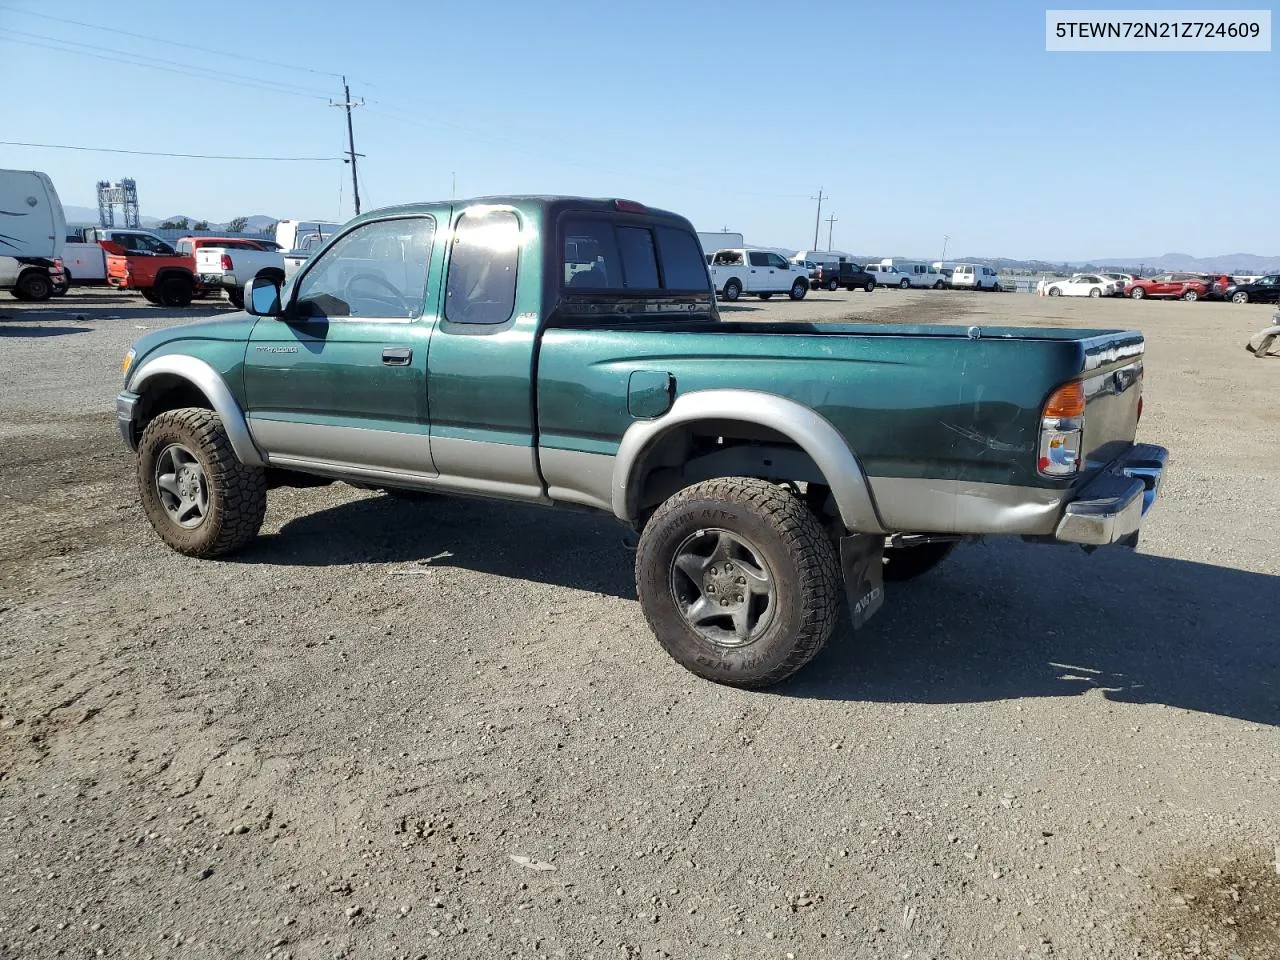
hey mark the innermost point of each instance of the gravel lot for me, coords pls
(442, 729)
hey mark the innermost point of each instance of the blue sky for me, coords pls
(916, 124)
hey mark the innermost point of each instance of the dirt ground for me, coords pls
(443, 730)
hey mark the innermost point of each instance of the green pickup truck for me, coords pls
(570, 352)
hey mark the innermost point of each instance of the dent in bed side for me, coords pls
(807, 429)
(211, 384)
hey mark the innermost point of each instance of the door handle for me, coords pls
(397, 356)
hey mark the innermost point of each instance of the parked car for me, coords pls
(1121, 280)
(1080, 285)
(896, 272)
(230, 265)
(31, 234)
(86, 262)
(974, 276)
(165, 279)
(1262, 290)
(578, 360)
(851, 276)
(1184, 286)
(759, 272)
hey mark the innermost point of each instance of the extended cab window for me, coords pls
(482, 268)
(379, 269)
(603, 254)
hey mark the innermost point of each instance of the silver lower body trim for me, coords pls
(962, 506)
(355, 448)
(572, 476)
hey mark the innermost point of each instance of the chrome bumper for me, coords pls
(1110, 508)
(126, 404)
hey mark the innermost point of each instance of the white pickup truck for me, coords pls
(84, 261)
(759, 272)
(230, 267)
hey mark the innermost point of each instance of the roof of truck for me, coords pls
(601, 204)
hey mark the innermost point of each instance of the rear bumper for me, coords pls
(1110, 508)
(216, 280)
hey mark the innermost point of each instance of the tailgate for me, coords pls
(1112, 377)
(209, 260)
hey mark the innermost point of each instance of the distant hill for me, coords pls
(86, 216)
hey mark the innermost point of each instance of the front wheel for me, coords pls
(905, 283)
(1055, 292)
(1240, 296)
(798, 290)
(938, 285)
(199, 497)
(870, 285)
(738, 581)
(732, 291)
(1191, 296)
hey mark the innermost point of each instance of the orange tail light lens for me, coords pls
(1066, 402)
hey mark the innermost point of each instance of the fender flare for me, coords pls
(210, 383)
(806, 428)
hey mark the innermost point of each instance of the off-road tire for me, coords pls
(907, 563)
(799, 289)
(803, 564)
(34, 285)
(732, 291)
(174, 292)
(237, 493)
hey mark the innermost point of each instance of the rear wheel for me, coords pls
(174, 292)
(1095, 292)
(236, 296)
(1137, 293)
(34, 285)
(907, 563)
(738, 581)
(732, 290)
(1240, 296)
(1190, 296)
(833, 285)
(798, 290)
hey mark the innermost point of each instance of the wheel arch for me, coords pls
(774, 424)
(169, 382)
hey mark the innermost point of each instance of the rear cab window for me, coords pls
(481, 286)
(602, 253)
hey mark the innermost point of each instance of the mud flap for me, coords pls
(862, 561)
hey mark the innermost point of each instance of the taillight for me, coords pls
(1061, 431)
(226, 262)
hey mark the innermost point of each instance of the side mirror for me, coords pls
(262, 298)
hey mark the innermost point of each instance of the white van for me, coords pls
(909, 273)
(974, 276)
(32, 232)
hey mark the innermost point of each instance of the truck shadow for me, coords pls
(1005, 620)
(999, 620)
(8, 330)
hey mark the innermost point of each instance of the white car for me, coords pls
(1080, 285)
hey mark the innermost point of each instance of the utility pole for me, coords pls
(831, 222)
(945, 238)
(817, 221)
(348, 103)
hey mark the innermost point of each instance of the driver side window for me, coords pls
(378, 270)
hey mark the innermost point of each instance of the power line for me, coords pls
(148, 60)
(174, 43)
(158, 153)
(264, 85)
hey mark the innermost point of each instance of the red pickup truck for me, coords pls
(1182, 286)
(165, 279)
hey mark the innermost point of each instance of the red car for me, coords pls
(1182, 286)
